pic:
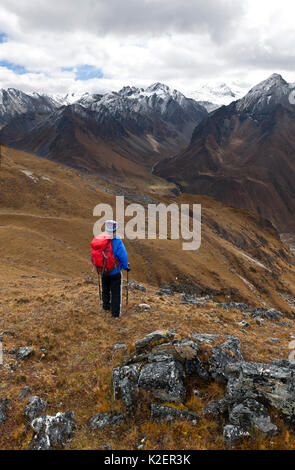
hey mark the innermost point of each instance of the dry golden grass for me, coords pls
(64, 318)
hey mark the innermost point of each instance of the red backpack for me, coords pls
(102, 254)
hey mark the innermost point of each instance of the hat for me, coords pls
(111, 226)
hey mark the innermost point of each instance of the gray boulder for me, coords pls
(153, 339)
(35, 407)
(164, 379)
(202, 338)
(232, 434)
(227, 353)
(24, 352)
(53, 431)
(3, 409)
(215, 409)
(125, 383)
(102, 420)
(269, 383)
(267, 313)
(251, 414)
(167, 413)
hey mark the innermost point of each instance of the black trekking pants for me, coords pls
(112, 293)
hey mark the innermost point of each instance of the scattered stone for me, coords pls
(244, 324)
(237, 305)
(3, 409)
(102, 420)
(136, 286)
(168, 413)
(269, 314)
(165, 292)
(120, 347)
(259, 321)
(144, 307)
(53, 431)
(186, 299)
(274, 340)
(153, 339)
(251, 414)
(25, 392)
(7, 332)
(35, 407)
(24, 352)
(232, 434)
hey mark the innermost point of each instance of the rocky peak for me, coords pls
(265, 96)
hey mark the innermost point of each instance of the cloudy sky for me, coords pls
(61, 46)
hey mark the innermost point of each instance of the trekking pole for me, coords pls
(99, 287)
(127, 290)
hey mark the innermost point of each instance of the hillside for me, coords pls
(51, 219)
(49, 302)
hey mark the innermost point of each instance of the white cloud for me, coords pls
(138, 42)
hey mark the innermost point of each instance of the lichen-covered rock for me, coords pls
(268, 383)
(267, 313)
(215, 409)
(24, 352)
(167, 413)
(206, 338)
(35, 407)
(237, 305)
(164, 379)
(251, 414)
(232, 434)
(191, 300)
(125, 382)
(153, 339)
(3, 409)
(227, 353)
(53, 431)
(102, 420)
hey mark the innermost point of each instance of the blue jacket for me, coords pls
(120, 255)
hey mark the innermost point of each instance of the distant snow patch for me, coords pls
(30, 175)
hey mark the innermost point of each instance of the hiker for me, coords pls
(109, 256)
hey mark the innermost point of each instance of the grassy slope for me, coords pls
(45, 229)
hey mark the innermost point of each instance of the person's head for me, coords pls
(111, 227)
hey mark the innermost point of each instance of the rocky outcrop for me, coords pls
(53, 431)
(102, 420)
(167, 413)
(3, 410)
(166, 366)
(35, 407)
(160, 366)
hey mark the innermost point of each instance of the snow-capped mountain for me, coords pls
(137, 123)
(214, 95)
(157, 99)
(264, 96)
(243, 154)
(15, 102)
